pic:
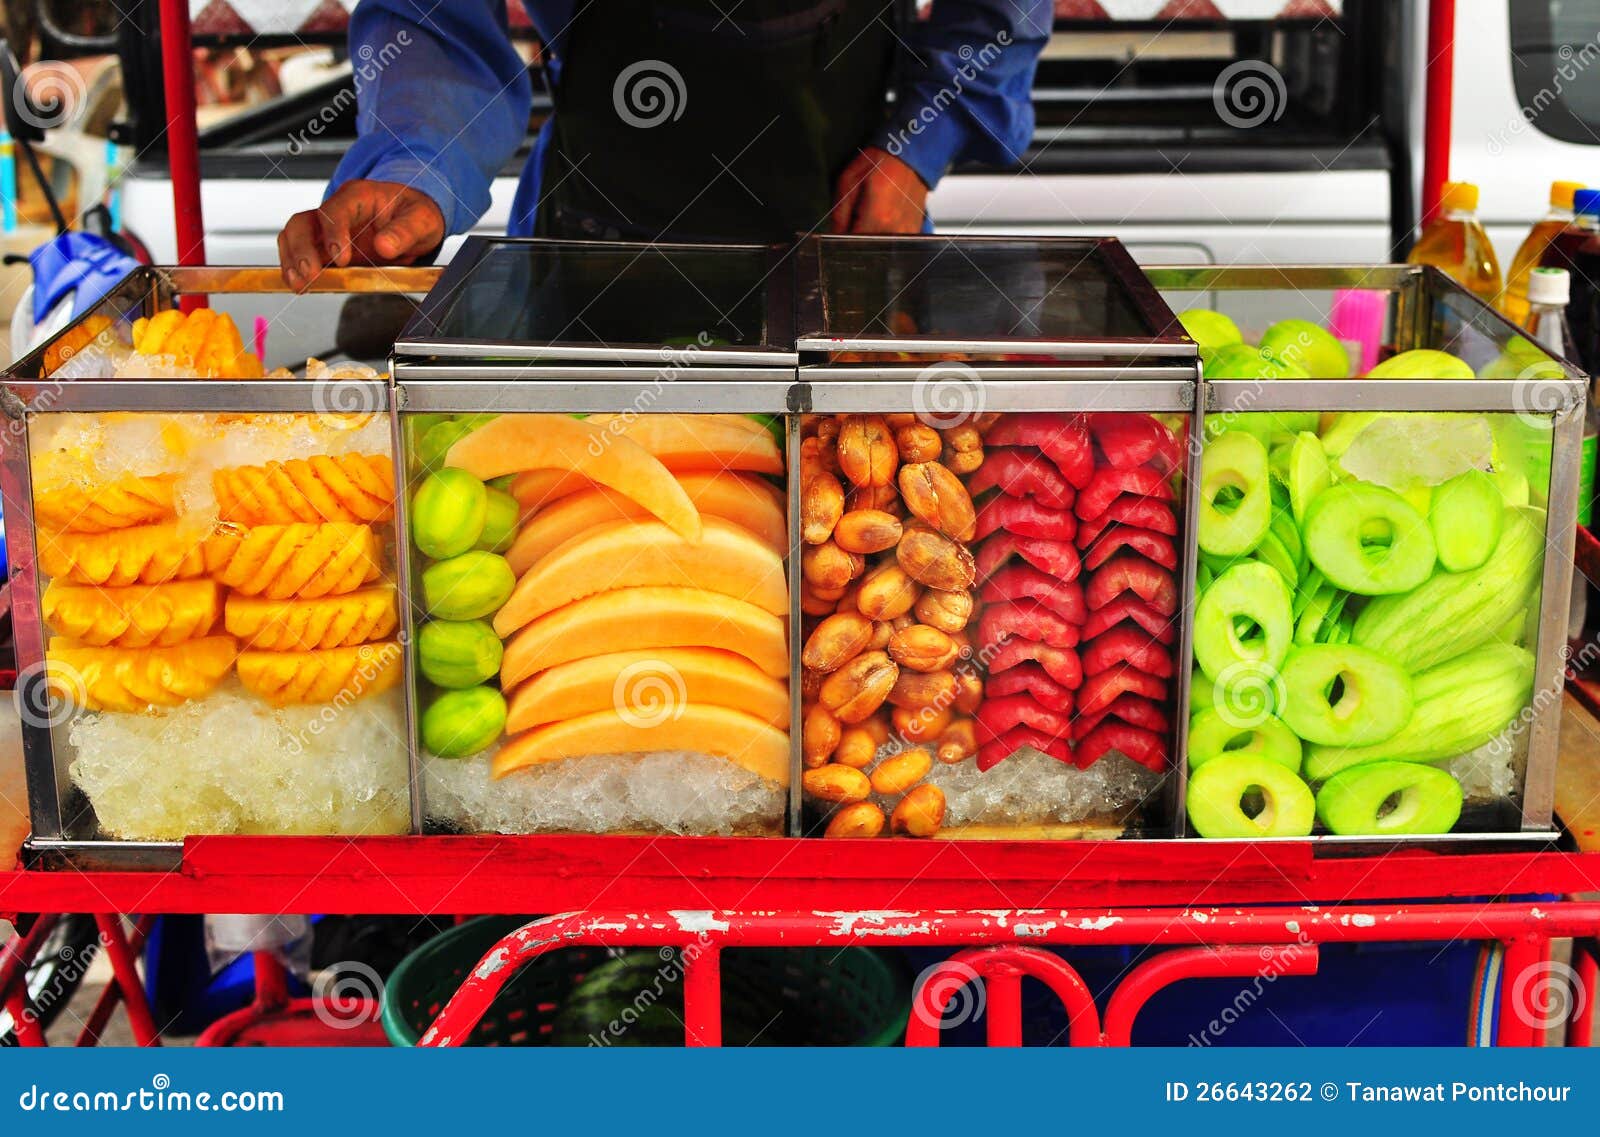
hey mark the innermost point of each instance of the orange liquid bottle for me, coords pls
(1456, 244)
(1514, 300)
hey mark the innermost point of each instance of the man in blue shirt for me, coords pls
(675, 119)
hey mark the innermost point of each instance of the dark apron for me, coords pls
(673, 121)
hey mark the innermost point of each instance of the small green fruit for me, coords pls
(1210, 330)
(460, 723)
(1242, 361)
(458, 653)
(447, 513)
(501, 517)
(1384, 798)
(1423, 363)
(468, 587)
(1309, 347)
(1220, 790)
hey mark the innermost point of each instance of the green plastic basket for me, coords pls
(770, 996)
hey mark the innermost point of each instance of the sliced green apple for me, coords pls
(1368, 540)
(1383, 798)
(1466, 517)
(1343, 695)
(1235, 495)
(1211, 735)
(1245, 796)
(1243, 617)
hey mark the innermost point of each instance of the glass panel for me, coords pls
(222, 622)
(990, 624)
(1368, 598)
(608, 294)
(603, 614)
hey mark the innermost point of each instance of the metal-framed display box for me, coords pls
(1400, 308)
(1026, 339)
(65, 825)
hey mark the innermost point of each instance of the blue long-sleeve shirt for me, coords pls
(443, 97)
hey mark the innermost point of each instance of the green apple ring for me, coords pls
(1220, 791)
(1235, 494)
(1211, 736)
(1383, 798)
(1243, 618)
(1368, 540)
(1343, 695)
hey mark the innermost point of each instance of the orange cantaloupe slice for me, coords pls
(511, 444)
(629, 619)
(631, 554)
(651, 684)
(696, 442)
(742, 739)
(538, 489)
(744, 499)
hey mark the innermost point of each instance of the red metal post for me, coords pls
(127, 977)
(1003, 1007)
(1266, 963)
(1440, 85)
(113, 993)
(1586, 989)
(183, 136)
(702, 995)
(27, 1028)
(1010, 962)
(1524, 974)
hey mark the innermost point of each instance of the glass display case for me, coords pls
(1388, 488)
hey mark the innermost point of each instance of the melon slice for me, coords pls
(537, 489)
(741, 739)
(513, 443)
(628, 554)
(650, 685)
(744, 500)
(638, 618)
(696, 442)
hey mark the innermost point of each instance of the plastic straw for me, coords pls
(1357, 318)
(8, 182)
(261, 338)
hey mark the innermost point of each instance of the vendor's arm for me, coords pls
(968, 97)
(442, 103)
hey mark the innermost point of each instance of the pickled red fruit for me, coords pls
(1127, 644)
(999, 715)
(1060, 663)
(1135, 710)
(1057, 558)
(1099, 691)
(1467, 515)
(448, 512)
(1022, 473)
(1028, 621)
(1243, 618)
(1235, 494)
(1343, 695)
(1110, 483)
(1026, 517)
(1031, 679)
(1062, 438)
(1024, 582)
(1369, 540)
(1129, 573)
(997, 751)
(1217, 793)
(1146, 542)
(1128, 439)
(1390, 797)
(1129, 607)
(1146, 747)
(1130, 509)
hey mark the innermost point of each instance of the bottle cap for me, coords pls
(1459, 197)
(1549, 287)
(1587, 201)
(1562, 194)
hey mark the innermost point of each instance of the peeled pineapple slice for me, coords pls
(142, 554)
(123, 503)
(350, 487)
(336, 675)
(136, 679)
(297, 560)
(137, 615)
(202, 339)
(306, 625)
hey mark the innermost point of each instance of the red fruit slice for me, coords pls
(1134, 710)
(1024, 582)
(1127, 644)
(1129, 607)
(1146, 747)
(1062, 438)
(1061, 663)
(1146, 542)
(992, 754)
(1034, 680)
(1021, 473)
(1029, 621)
(1129, 572)
(1026, 517)
(1100, 691)
(998, 715)
(1109, 483)
(1144, 512)
(1135, 440)
(1057, 558)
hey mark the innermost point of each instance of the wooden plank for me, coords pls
(1578, 776)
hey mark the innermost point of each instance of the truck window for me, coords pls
(1555, 60)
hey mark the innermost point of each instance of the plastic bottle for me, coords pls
(1455, 243)
(1514, 300)
(1577, 249)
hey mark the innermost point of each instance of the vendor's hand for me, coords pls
(878, 193)
(363, 222)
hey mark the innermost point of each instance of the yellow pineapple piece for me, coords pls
(136, 679)
(306, 625)
(135, 615)
(74, 340)
(336, 675)
(141, 554)
(295, 560)
(202, 339)
(349, 487)
(123, 503)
